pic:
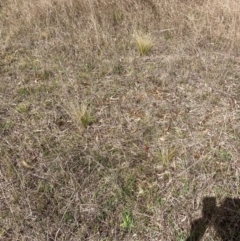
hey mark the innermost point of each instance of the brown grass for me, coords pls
(99, 143)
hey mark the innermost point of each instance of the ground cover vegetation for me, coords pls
(116, 117)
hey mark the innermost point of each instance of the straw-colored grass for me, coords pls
(144, 43)
(103, 140)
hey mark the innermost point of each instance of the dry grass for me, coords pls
(99, 143)
(144, 43)
(80, 114)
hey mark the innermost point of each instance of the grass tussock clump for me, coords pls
(144, 43)
(80, 114)
(117, 118)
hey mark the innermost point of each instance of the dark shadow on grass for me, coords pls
(225, 219)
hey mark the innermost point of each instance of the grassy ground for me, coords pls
(116, 118)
